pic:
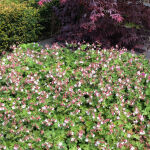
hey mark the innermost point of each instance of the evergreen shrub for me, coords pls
(19, 23)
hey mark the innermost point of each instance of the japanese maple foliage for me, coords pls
(106, 21)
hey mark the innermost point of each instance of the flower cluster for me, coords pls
(56, 98)
(41, 2)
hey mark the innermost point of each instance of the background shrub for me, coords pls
(107, 21)
(49, 19)
(19, 23)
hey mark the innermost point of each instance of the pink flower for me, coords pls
(143, 74)
(40, 3)
(142, 132)
(62, 1)
(141, 117)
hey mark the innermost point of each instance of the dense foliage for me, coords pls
(18, 24)
(60, 99)
(49, 19)
(107, 21)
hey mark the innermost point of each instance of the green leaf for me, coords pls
(147, 92)
(132, 25)
(83, 47)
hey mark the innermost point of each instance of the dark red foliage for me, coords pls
(103, 21)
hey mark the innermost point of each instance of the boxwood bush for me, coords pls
(19, 23)
(78, 97)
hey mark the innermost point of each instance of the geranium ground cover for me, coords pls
(87, 99)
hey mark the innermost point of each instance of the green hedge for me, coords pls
(48, 19)
(19, 23)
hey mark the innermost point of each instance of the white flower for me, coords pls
(125, 113)
(138, 73)
(81, 62)
(135, 121)
(1, 108)
(142, 132)
(60, 144)
(64, 124)
(66, 121)
(119, 80)
(72, 139)
(79, 84)
(132, 148)
(23, 106)
(97, 143)
(80, 117)
(118, 117)
(46, 120)
(128, 135)
(93, 135)
(13, 107)
(27, 68)
(86, 140)
(116, 108)
(15, 148)
(93, 71)
(100, 100)
(118, 144)
(98, 126)
(117, 67)
(44, 108)
(136, 111)
(105, 65)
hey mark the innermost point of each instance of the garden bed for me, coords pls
(90, 98)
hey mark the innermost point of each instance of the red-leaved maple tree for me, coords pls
(111, 22)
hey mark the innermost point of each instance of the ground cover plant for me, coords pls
(80, 99)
